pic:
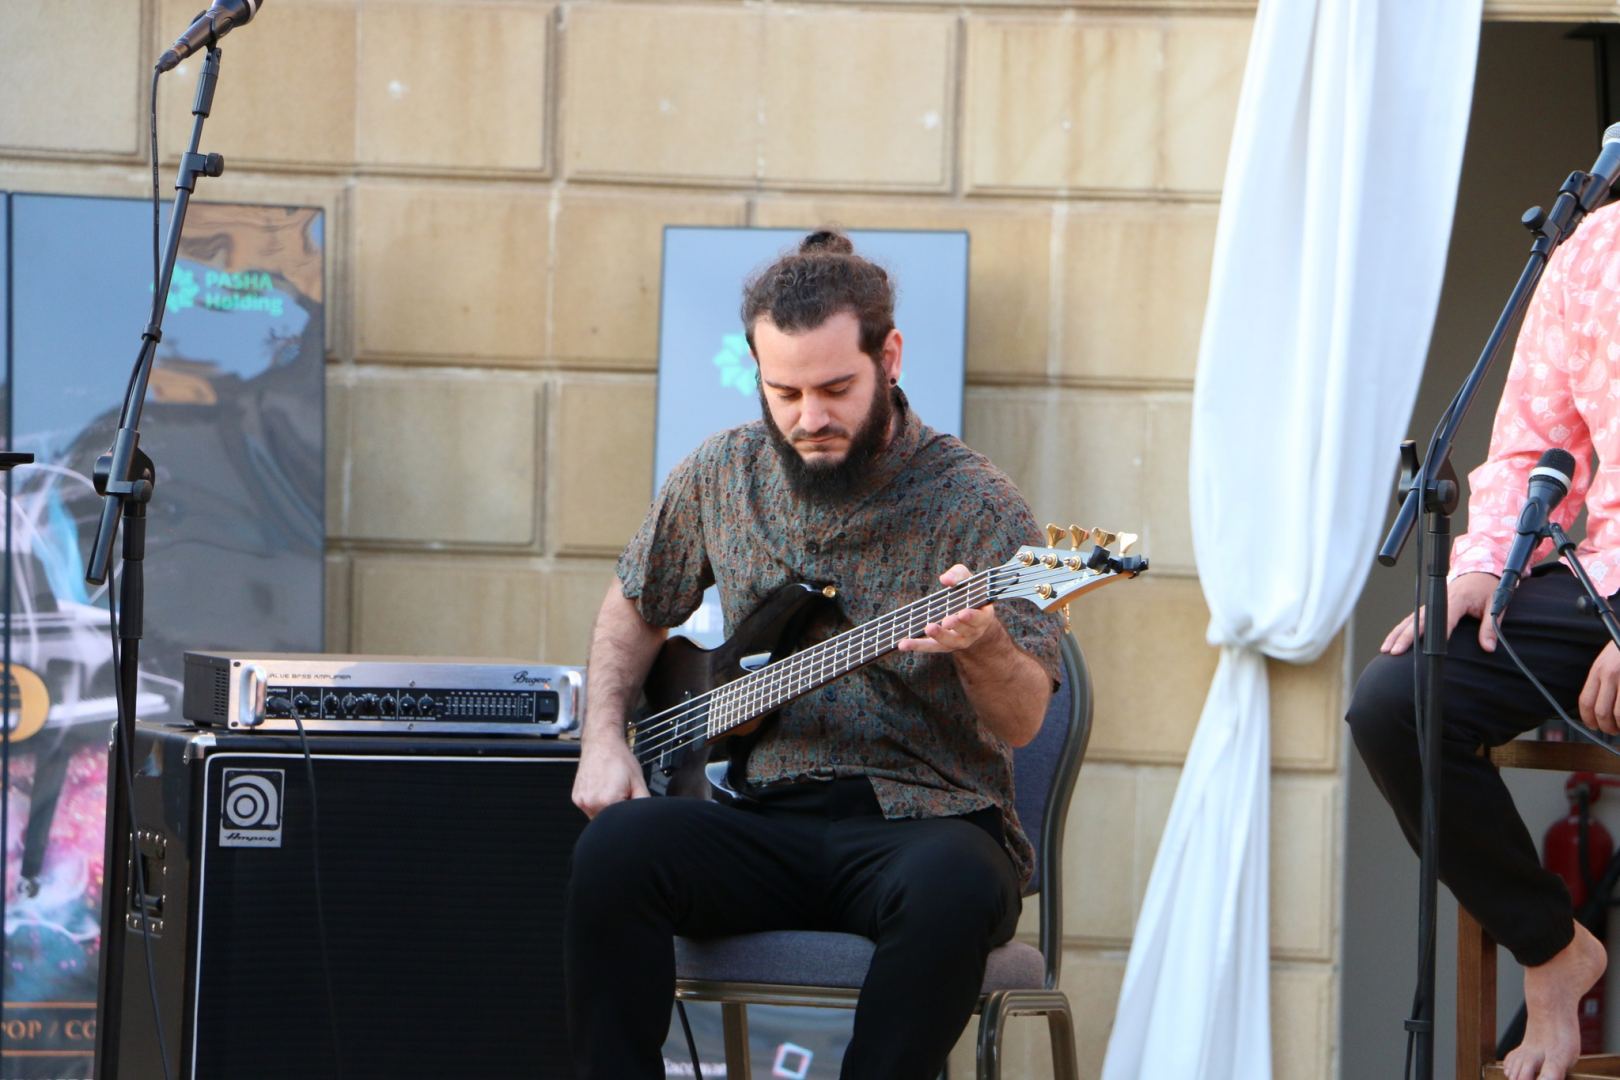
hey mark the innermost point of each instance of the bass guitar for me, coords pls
(696, 697)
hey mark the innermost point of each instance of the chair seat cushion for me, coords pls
(820, 958)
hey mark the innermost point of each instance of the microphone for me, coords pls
(221, 18)
(1549, 483)
(1605, 171)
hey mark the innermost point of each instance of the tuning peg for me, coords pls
(1102, 538)
(1126, 542)
(1077, 536)
(1053, 534)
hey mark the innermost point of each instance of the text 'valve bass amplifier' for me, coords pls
(332, 693)
(442, 866)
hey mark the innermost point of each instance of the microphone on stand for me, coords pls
(1549, 483)
(1605, 171)
(221, 18)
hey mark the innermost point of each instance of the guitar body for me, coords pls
(684, 670)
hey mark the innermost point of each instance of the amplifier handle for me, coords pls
(576, 695)
(250, 696)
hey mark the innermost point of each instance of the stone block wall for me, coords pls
(496, 176)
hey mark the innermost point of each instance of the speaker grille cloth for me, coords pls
(443, 883)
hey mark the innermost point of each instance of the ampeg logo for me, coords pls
(250, 810)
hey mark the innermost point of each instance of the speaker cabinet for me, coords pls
(441, 863)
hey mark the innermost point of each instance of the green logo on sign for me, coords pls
(736, 364)
(183, 289)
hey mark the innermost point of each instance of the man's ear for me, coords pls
(893, 349)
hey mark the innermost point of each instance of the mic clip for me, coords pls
(1442, 497)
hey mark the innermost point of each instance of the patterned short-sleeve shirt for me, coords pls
(726, 516)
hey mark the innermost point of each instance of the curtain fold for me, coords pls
(1329, 253)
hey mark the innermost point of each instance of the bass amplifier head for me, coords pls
(407, 695)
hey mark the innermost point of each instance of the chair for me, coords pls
(1476, 949)
(792, 967)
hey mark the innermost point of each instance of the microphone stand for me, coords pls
(124, 477)
(1599, 603)
(1430, 487)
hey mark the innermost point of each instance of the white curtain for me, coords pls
(1328, 257)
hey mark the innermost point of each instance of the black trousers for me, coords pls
(934, 894)
(1487, 857)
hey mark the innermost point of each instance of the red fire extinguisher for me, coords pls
(1576, 838)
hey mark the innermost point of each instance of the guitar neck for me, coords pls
(763, 691)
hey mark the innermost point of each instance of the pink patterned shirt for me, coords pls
(1563, 389)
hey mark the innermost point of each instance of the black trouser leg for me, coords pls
(936, 896)
(644, 871)
(1487, 857)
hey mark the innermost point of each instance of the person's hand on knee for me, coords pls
(1466, 594)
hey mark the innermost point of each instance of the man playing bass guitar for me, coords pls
(880, 803)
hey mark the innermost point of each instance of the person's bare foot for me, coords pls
(1552, 994)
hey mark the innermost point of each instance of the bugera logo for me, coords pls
(523, 678)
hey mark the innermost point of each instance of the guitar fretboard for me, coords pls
(774, 685)
(1044, 576)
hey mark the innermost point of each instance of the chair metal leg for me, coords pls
(1003, 1004)
(992, 1021)
(1065, 1064)
(734, 1024)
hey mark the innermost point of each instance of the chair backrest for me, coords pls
(1044, 773)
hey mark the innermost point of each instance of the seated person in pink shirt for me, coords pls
(1563, 389)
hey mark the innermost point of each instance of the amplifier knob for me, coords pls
(425, 705)
(302, 704)
(407, 705)
(369, 705)
(278, 705)
(330, 706)
(346, 706)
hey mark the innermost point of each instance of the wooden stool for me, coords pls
(1595, 1067)
(1476, 951)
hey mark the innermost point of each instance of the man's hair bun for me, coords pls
(826, 240)
(803, 289)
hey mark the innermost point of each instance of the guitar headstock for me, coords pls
(1050, 576)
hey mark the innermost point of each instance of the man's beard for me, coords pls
(829, 481)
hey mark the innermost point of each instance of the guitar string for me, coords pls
(792, 669)
(658, 733)
(768, 684)
(789, 674)
(767, 681)
(787, 678)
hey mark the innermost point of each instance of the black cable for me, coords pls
(1423, 749)
(691, 1043)
(1579, 728)
(320, 901)
(1515, 1028)
(1592, 914)
(157, 261)
(126, 763)
(1411, 1042)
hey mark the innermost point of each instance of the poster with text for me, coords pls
(234, 423)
